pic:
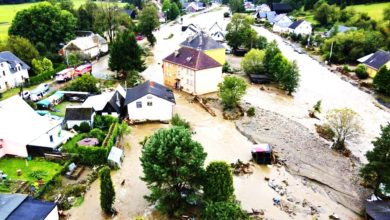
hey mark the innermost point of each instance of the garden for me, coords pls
(23, 175)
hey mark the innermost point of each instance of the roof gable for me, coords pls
(202, 42)
(378, 59)
(193, 59)
(149, 87)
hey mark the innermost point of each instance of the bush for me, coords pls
(177, 121)
(40, 78)
(231, 90)
(382, 81)
(85, 83)
(84, 127)
(251, 112)
(104, 121)
(325, 132)
(75, 190)
(97, 133)
(361, 71)
(218, 186)
(91, 156)
(346, 68)
(223, 211)
(226, 68)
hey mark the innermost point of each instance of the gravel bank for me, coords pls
(306, 154)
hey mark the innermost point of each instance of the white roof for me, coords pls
(98, 101)
(363, 59)
(115, 155)
(20, 124)
(44, 140)
(85, 43)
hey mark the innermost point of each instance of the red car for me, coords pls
(83, 69)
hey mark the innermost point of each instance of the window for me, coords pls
(3, 73)
(139, 104)
(150, 103)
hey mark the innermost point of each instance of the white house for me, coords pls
(301, 27)
(109, 103)
(281, 23)
(190, 30)
(149, 101)
(216, 32)
(20, 206)
(75, 115)
(13, 71)
(23, 132)
(263, 8)
(89, 46)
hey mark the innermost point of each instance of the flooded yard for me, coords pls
(222, 141)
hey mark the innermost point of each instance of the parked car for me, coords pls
(83, 69)
(38, 93)
(65, 75)
(44, 87)
(26, 94)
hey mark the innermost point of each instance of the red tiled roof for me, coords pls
(192, 59)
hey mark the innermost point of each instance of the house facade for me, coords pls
(13, 71)
(190, 31)
(216, 32)
(375, 61)
(192, 71)
(149, 101)
(300, 27)
(207, 45)
(75, 115)
(89, 46)
(281, 23)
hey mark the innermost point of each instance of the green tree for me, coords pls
(377, 170)
(239, 30)
(86, 15)
(252, 63)
(289, 77)
(178, 121)
(66, 5)
(125, 53)
(173, 165)
(42, 65)
(85, 83)
(166, 6)
(361, 71)
(386, 15)
(326, 14)
(107, 192)
(236, 6)
(345, 125)
(44, 23)
(218, 186)
(382, 81)
(231, 90)
(74, 59)
(271, 52)
(223, 211)
(173, 12)
(261, 43)
(148, 22)
(22, 48)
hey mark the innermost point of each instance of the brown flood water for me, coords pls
(221, 141)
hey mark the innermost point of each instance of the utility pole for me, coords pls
(331, 51)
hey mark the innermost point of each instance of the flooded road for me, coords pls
(221, 141)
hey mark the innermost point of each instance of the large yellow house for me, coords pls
(208, 45)
(375, 61)
(192, 71)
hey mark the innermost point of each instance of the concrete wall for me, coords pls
(206, 81)
(161, 109)
(217, 54)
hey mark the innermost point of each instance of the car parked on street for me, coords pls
(65, 75)
(83, 69)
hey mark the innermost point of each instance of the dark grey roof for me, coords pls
(13, 60)
(32, 209)
(201, 42)
(9, 202)
(281, 7)
(378, 59)
(296, 24)
(78, 113)
(149, 87)
(191, 58)
(378, 210)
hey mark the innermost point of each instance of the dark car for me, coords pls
(259, 79)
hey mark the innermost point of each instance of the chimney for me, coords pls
(51, 138)
(176, 53)
(151, 84)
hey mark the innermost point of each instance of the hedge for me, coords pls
(91, 156)
(111, 137)
(40, 78)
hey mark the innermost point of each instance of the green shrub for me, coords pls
(223, 211)
(346, 68)
(75, 190)
(178, 121)
(110, 139)
(382, 81)
(38, 174)
(97, 133)
(104, 121)
(251, 112)
(84, 127)
(91, 156)
(361, 71)
(226, 68)
(325, 132)
(35, 80)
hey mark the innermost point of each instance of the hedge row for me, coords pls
(40, 78)
(110, 139)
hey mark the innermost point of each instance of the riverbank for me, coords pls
(305, 154)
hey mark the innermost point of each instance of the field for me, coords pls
(375, 11)
(8, 12)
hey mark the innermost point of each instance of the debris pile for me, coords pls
(240, 167)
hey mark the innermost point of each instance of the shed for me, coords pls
(262, 153)
(115, 157)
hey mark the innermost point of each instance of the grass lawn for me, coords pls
(61, 108)
(45, 168)
(8, 12)
(375, 11)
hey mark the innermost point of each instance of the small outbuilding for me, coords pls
(75, 115)
(115, 158)
(262, 153)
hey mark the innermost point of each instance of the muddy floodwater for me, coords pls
(221, 141)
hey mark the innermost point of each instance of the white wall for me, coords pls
(206, 81)
(161, 109)
(12, 79)
(71, 124)
(303, 29)
(53, 215)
